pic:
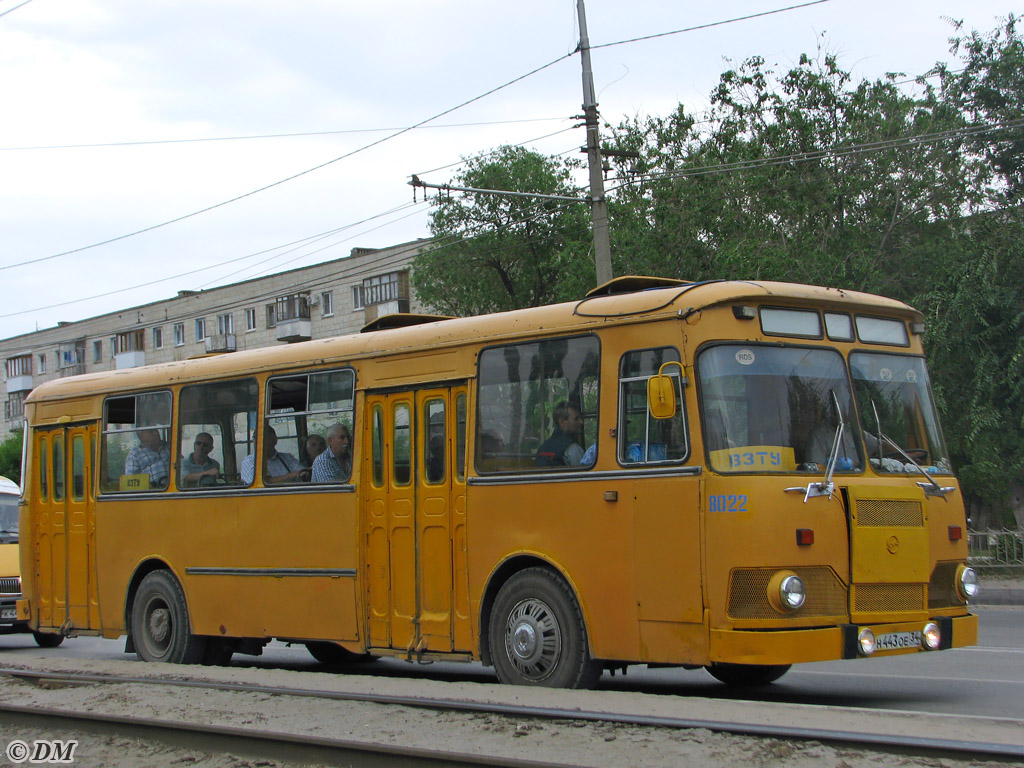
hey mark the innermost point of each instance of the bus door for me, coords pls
(65, 526)
(415, 514)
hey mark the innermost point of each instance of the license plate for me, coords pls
(8, 613)
(895, 640)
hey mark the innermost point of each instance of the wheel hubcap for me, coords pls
(533, 639)
(159, 626)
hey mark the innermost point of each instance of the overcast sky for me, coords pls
(120, 115)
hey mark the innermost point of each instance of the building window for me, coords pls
(292, 307)
(179, 334)
(158, 337)
(250, 319)
(130, 341)
(97, 351)
(271, 316)
(113, 346)
(384, 288)
(19, 366)
(226, 324)
(200, 328)
(42, 363)
(357, 297)
(327, 303)
(14, 408)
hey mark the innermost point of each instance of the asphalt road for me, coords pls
(986, 680)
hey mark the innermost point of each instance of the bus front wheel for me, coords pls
(748, 675)
(537, 634)
(160, 626)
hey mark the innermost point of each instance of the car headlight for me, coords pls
(966, 583)
(866, 642)
(786, 592)
(931, 637)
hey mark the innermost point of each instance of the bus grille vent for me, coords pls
(10, 585)
(885, 512)
(942, 592)
(748, 594)
(888, 598)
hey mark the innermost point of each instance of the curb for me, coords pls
(1000, 596)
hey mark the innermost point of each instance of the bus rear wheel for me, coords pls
(537, 635)
(748, 675)
(160, 625)
(47, 640)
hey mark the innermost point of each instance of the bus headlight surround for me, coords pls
(966, 583)
(866, 642)
(931, 636)
(786, 592)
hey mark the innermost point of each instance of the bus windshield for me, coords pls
(773, 409)
(8, 517)
(897, 388)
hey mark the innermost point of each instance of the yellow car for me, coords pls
(10, 570)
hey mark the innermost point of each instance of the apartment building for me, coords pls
(326, 299)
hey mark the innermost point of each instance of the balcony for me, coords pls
(133, 359)
(19, 383)
(393, 307)
(296, 329)
(219, 343)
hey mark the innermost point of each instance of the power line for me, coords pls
(268, 135)
(293, 176)
(711, 24)
(26, 2)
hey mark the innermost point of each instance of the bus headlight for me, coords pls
(966, 583)
(866, 642)
(931, 636)
(786, 592)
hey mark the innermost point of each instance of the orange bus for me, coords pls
(731, 475)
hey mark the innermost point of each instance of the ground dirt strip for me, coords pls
(560, 740)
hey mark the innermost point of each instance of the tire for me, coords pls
(537, 635)
(748, 675)
(160, 624)
(47, 640)
(334, 655)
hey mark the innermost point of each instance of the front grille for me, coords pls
(748, 594)
(942, 591)
(10, 585)
(884, 512)
(888, 598)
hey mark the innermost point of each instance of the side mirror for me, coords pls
(661, 393)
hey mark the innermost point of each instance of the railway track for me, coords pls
(330, 750)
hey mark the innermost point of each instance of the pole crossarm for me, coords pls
(417, 182)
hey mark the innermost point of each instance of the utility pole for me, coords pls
(598, 203)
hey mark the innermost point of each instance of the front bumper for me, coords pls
(9, 621)
(797, 646)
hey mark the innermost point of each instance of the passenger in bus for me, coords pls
(315, 445)
(565, 446)
(335, 464)
(198, 469)
(277, 467)
(152, 456)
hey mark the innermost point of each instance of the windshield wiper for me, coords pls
(826, 487)
(931, 488)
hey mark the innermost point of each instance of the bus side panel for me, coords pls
(571, 526)
(270, 554)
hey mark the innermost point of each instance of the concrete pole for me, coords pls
(598, 203)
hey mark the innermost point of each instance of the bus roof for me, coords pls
(602, 307)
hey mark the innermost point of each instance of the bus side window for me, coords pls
(215, 432)
(58, 468)
(136, 443)
(44, 462)
(523, 390)
(643, 439)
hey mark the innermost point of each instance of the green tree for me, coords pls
(499, 252)
(10, 457)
